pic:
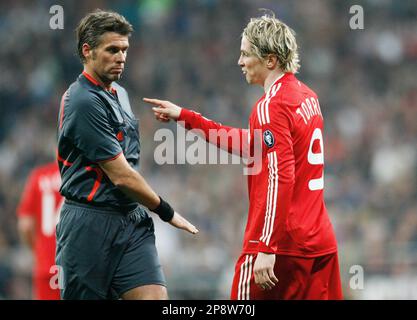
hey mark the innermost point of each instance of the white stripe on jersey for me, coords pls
(271, 198)
(241, 279)
(243, 292)
(248, 278)
(268, 198)
(259, 114)
(263, 106)
(266, 103)
(275, 198)
(273, 92)
(267, 111)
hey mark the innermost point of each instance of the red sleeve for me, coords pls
(29, 202)
(278, 147)
(224, 137)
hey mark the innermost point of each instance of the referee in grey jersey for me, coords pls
(105, 239)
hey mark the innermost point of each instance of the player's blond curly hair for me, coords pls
(269, 35)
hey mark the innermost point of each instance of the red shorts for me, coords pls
(299, 278)
(42, 289)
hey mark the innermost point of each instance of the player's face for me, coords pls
(108, 59)
(253, 68)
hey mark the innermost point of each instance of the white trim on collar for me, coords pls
(279, 77)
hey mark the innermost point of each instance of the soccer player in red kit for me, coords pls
(38, 212)
(289, 248)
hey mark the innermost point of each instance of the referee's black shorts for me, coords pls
(102, 253)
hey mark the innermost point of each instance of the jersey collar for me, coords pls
(96, 83)
(281, 78)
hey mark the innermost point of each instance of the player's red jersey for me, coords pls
(41, 200)
(287, 214)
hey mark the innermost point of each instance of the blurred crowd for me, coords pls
(187, 51)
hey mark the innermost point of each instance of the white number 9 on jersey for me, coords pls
(316, 159)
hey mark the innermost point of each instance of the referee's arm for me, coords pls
(123, 176)
(135, 186)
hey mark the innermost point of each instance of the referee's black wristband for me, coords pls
(164, 210)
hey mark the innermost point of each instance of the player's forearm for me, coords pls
(269, 241)
(224, 137)
(279, 195)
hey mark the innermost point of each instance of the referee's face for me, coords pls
(108, 59)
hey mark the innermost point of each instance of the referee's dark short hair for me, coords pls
(95, 24)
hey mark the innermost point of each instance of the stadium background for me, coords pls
(187, 51)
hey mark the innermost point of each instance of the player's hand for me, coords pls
(180, 222)
(164, 110)
(263, 271)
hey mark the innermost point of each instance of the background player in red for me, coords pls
(38, 212)
(289, 248)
